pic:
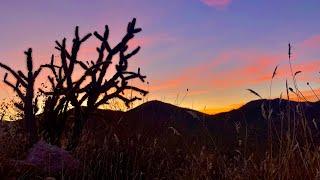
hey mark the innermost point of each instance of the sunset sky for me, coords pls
(214, 48)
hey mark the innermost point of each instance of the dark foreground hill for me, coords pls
(248, 124)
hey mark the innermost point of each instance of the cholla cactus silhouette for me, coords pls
(93, 86)
(63, 88)
(119, 81)
(24, 87)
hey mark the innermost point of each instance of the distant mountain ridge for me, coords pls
(155, 119)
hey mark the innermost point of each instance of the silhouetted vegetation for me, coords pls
(24, 87)
(263, 139)
(93, 86)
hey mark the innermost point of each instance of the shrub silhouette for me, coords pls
(93, 85)
(24, 87)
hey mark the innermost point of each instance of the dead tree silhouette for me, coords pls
(24, 87)
(93, 86)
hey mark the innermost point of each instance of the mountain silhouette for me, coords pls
(159, 120)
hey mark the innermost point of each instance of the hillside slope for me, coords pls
(156, 119)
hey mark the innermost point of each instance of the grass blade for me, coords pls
(254, 92)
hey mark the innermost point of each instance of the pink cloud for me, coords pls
(168, 83)
(311, 42)
(255, 68)
(217, 3)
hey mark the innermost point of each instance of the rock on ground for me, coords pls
(52, 159)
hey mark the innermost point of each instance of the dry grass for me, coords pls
(293, 159)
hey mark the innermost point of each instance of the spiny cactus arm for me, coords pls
(131, 30)
(134, 52)
(65, 55)
(64, 63)
(55, 69)
(52, 69)
(54, 91)
(124, 79)
(118, 91)
(121, 67)
(53, 88)
(104, 43)
(83, 98)
(52, 82)
(77, 41)
(60, 74)
(106, 98)
(127, 101)
(36, 73)
(108, 84)
(114, 83)
(18, 78)
(133, 75)
(56, 81)
(90, 72)
(101, 70)
(104, 68)
(120, 47)
(57, 78)
(24, 77)
(66, 69)
(124, 76)
(82, 64)
(14, 87)
(141, 91)
(28, 53)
